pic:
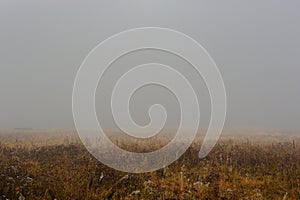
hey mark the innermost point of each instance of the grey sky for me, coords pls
(255, 44)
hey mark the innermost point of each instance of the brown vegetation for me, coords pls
(239, 167)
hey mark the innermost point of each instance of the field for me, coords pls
(245, 164)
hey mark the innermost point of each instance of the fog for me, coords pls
(255, 44)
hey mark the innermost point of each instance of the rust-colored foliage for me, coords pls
(235, 169)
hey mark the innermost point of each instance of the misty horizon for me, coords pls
(255, 46)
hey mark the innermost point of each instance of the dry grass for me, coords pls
(56, 166)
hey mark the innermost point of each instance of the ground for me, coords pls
(52, 164)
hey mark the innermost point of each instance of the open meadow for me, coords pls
(245, 164)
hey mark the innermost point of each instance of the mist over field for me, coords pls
(63, 137)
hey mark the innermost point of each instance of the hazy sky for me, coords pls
(255, 44)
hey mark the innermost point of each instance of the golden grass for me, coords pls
(243, 165)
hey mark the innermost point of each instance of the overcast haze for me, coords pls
(255, 44)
